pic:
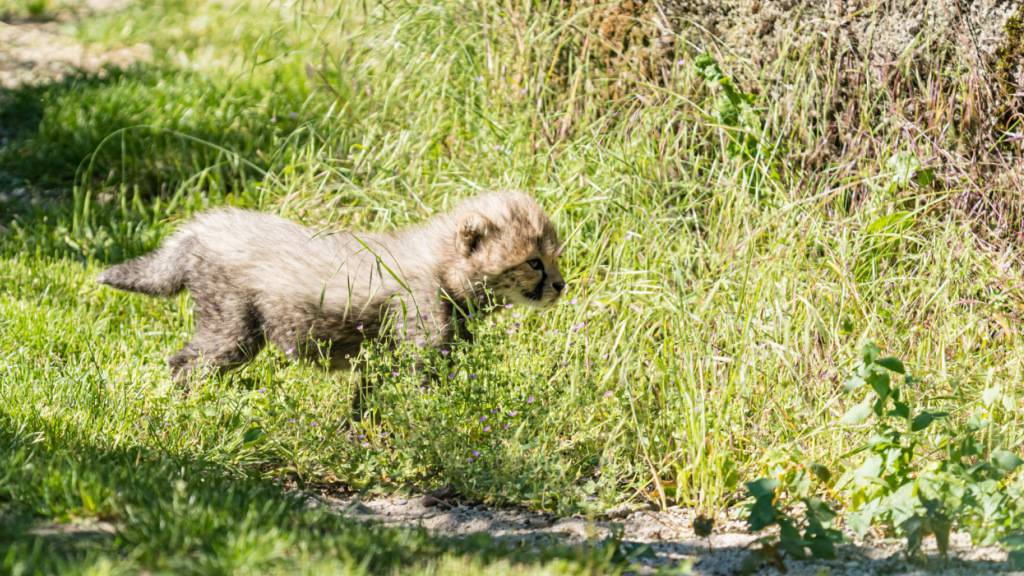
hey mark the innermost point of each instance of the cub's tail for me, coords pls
(160, 273)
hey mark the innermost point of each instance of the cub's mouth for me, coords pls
(537, 292)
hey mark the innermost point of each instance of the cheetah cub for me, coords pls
(257, 278)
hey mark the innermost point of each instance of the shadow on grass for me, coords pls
(108, 156)
(148, 125)
(165, 513)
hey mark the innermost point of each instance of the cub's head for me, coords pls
(509, 247)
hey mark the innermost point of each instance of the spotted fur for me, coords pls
(257, 278)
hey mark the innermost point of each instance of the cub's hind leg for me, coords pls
(228, 333)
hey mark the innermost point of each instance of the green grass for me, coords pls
(719, 294)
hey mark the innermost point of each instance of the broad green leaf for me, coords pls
(901, 504)
(762, 515)
(892, 364)
(821, 472)
(990, 395)
(871, 468)
(977, 421)
(821, 547)
(1014, 541)
(904, 166)
(763, 487)
(1006, 460)
(924, 419)
(890, 224)
(801, 487)
(853, 383)
(847, 325)
(880, 383)
(857, 415)
(790, 540)
(252, 435)
(859, 522)
(879, 406)
(879, 442)
(819, 510)
(869, 353)
(925, 177)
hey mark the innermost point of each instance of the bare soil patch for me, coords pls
(35, 52)
(658, 539)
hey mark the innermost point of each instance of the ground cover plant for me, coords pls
(724, 275)
(967, 483)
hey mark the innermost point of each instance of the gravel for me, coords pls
(660, 539)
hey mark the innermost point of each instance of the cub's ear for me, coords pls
(473, 229)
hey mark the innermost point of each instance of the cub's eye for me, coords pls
(535, 263)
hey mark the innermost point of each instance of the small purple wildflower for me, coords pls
(314, 424)
(451, 375)
(579, 327)
(395, 373)
(609, 394)
(445, 352)
(487, 428)
(472, 376)
(483, 418)
(529, 400)
(494, 410)
(574, 301)
(507, 306)
(359, 327)
(513, 413)
(476, 452)
(470, 459)
(365, 444)
(262, 391)
(505, 427)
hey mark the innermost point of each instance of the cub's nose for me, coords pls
(558, 286)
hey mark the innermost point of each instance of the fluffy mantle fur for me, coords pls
(258, 278)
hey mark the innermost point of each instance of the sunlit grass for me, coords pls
(716, 300)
